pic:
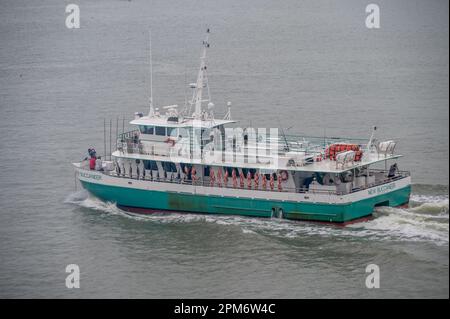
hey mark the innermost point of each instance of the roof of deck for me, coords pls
(186, 122)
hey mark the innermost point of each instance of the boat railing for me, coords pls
(207, 183)
(130, 143)
(385, 180)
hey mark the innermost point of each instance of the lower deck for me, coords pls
(147, 195)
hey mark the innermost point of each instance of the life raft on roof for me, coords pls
(332, 150)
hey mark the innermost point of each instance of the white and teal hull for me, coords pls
(144, 196)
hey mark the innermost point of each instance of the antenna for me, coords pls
(152, 111)
(372, 139)
(198, 88)
(228, 115)
(286, 148)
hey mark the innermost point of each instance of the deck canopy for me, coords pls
(186, 122)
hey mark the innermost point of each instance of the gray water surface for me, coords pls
(308, 64)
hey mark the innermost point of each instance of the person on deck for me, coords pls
(392, 170)
(98, 164)
(92, 152)
(92, 163)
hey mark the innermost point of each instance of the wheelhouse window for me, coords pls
(146, 129)
(172, 131)
(160, 130)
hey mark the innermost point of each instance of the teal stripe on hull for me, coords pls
(242, 206)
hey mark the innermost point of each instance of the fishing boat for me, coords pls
(184, 159)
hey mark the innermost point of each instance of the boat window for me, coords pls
(183, 165)
(206, 171)
(172, 131)
(274, 176)
(150, 165)
(244, 171)
(188, 167)
(229, 170)
(169, 167)
(160, 130)
(146, 129)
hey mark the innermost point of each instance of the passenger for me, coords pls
(137, 168)
(392, 170)
(98, 164)
(117, 168)
(92, 163)
(92, 152)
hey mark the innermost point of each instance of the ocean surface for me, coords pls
(312, 65)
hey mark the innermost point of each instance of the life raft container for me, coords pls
(332, 150)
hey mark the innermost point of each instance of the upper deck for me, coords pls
(194, 135)
(289, 152)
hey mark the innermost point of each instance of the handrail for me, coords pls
(128, 134)
(207, 183)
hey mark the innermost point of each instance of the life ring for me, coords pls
(272, 182)
(284, 175)
(256, 178)
(233, 175)
(212, 177)
(264, 181)
(249, 180)
(170, 141)
(186, 172)
(241, 179)
(279, 183)
(225, 177)
(193, 172)
(219, 177)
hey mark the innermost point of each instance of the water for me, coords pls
(310, 64)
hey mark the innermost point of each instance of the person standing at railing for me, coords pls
(392, 170)
(137, 168)
(92, 152)
(92, 163)
(98, 164)
(117, 166)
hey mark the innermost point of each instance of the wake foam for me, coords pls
(427, 219)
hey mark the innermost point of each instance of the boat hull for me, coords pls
(340, 210)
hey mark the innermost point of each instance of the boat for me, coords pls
(184, 159)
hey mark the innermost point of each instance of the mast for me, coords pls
(151, 111)
(197, 95)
